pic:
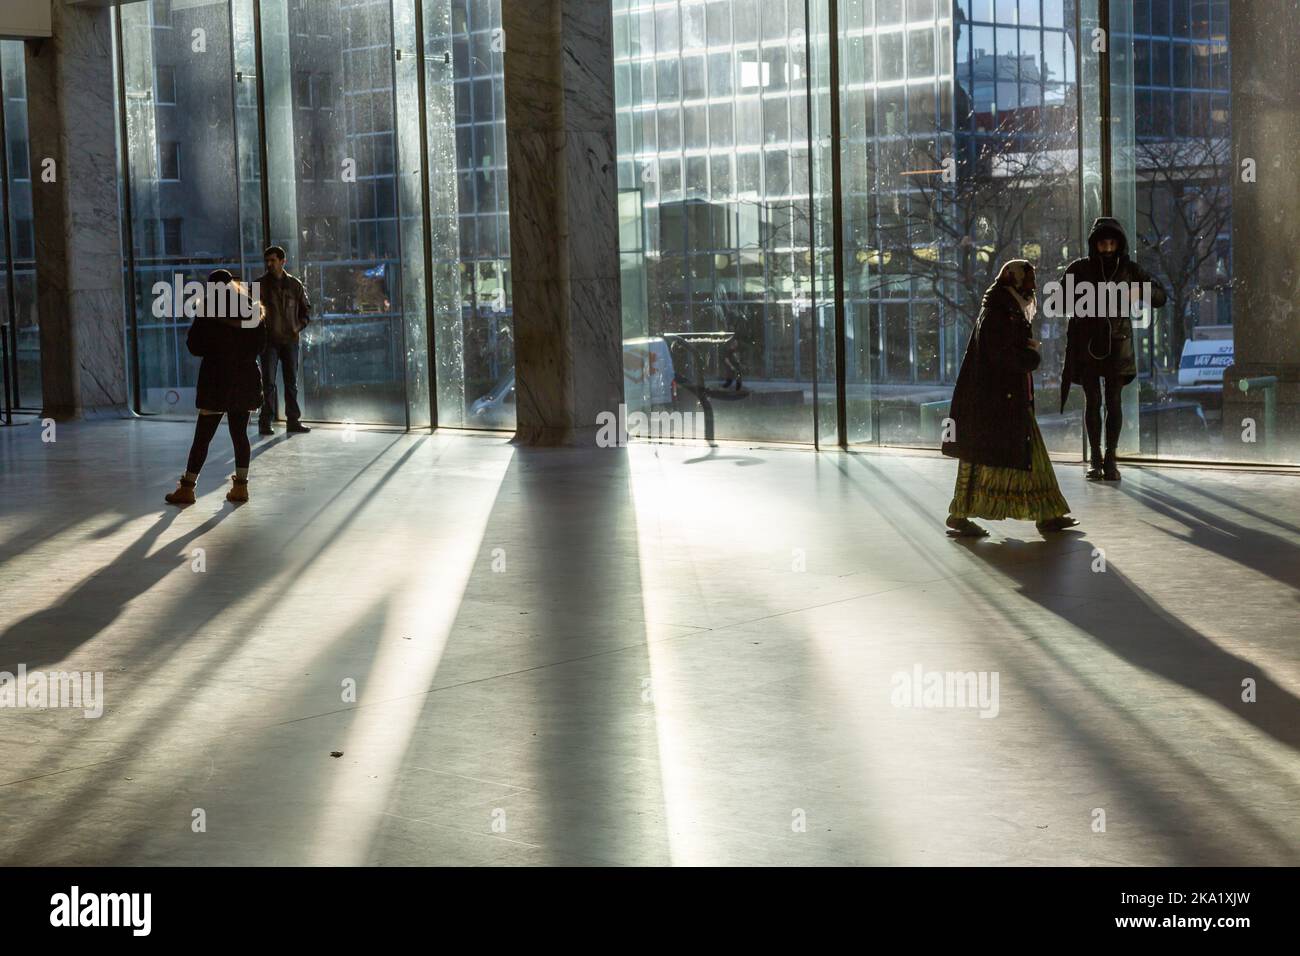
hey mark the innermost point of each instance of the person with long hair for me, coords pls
(1005, 471)
(230, 382)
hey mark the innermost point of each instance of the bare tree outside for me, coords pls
(1184, 207)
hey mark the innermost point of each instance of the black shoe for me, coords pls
(297, 428)
(1054, 525)
(264, 428)
(964, 528)
(1095, 470)
(1110, 470)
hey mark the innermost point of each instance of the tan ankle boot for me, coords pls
(238, 492)
(183, 495)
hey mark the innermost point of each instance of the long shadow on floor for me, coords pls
(1034, 565)
(181, 620)
(714, 454)
(73, 510)
(1192, 488)
(1261, 551)
(55, 476)
(1127, 622)
(281, 832)
(572, 658)
(261, 447)
(49, 636)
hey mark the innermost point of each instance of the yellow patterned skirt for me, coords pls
(996, 494)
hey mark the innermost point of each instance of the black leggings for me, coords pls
(206, 427)
(1092, 392)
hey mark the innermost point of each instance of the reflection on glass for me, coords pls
(717, 221)
(1176, 169)
(246, 137)
(181, 149)
(961, 146)
(410, 172)
(342, 228)
(960, 151)
(344, 165)
(23, 376)
(473, 324)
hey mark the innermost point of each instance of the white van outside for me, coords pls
(1203, 361)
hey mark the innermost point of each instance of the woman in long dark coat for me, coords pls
(1005, 470)
(230, 384)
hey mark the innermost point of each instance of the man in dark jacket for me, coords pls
(288, 310)
(1099, 350)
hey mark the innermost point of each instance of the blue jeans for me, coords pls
(286, 356)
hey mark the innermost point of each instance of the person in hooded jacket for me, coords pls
(1099, 352)
(230, 384)
(1005, 471)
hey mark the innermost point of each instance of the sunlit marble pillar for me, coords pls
(559, 91)
(1265, 44)
(72, 120)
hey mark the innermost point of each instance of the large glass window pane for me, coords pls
(473, 325)
(336, 63)
(943, 182)
(411, 165)
(181, 162)
(18, 268)
(1213, 363)
(718, 240)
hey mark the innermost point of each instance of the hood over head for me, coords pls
(1107, 227)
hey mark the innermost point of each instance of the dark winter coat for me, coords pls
(229, 377)
(993, 404)
(288, 309)
(1103, 344)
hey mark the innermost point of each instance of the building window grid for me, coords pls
(484, 114)
(643, 153)
(359, 104)
(729, 103)
(165, 85)
(790, 98)
(880, 299)
(1216, 69)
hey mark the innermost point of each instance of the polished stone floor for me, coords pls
(648, 656)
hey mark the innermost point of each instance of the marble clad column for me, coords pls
(559, 92)
(1265, 44)
(70, 89)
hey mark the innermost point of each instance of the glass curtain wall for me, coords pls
(712, 109)
(1191, 90)
(307, 124)
(341, 227)
(960, 151)
(472, 311)
(22, 374)
(181, 157)
(958, 148)
(1174, 170)
(967, 132)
